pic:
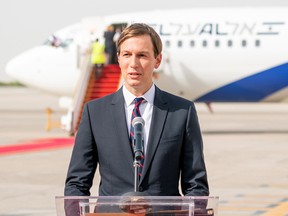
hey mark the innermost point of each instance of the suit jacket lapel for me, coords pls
(160, 110)
(118, 114)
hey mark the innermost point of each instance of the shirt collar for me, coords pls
(148, 96)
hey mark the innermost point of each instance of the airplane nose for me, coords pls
(20, 66)
(12, 68)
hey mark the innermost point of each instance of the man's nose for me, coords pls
(134, 61)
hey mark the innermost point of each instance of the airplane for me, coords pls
(209, 55)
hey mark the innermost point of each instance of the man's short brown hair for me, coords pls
(139, 29)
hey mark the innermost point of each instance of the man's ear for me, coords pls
(158, 61)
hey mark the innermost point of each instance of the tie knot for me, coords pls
(138, 101)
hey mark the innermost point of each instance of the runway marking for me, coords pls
(263, 205)
(249, 202)
(280, 210)
(36, 145)
(242, 208)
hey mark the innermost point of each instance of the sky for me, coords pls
(27, 23)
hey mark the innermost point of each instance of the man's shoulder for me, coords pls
(108, 99)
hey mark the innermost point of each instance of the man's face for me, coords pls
(137, 62)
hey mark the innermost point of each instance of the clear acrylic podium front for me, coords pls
(136, 206)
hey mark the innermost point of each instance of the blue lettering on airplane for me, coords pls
(219, 29)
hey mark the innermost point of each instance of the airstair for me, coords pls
(92, 86)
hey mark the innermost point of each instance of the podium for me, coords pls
(136, 206)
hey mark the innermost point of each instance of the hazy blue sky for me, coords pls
(27, 23)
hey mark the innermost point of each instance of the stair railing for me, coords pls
(80, 90)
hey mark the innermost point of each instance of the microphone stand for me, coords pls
(136, 196)
(138, 143)
(136, 165)
(136, 203)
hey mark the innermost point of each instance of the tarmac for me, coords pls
(245, 148)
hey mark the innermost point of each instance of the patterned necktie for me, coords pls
(136, 113)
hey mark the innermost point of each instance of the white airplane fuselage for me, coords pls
(215, 54)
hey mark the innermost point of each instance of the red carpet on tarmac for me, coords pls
(37, 145)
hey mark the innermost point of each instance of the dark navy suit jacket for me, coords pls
(174, 152)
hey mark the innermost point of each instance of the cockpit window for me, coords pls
(66, 43)
(55, 41)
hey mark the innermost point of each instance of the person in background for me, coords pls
(115, 39)
(97, 57)
(109, 45)
(173, 148)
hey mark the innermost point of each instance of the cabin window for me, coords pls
(244, 43)
(229, 43)
(192, 43)
(257, 43)
(217, 43)
(179, 43)
(167, 43)
(204, 43)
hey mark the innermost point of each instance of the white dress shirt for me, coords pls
(146, 109)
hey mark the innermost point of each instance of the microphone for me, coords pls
(138, 124)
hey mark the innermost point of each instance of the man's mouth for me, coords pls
(134, 74)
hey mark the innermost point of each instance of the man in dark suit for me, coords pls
(173, 146)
